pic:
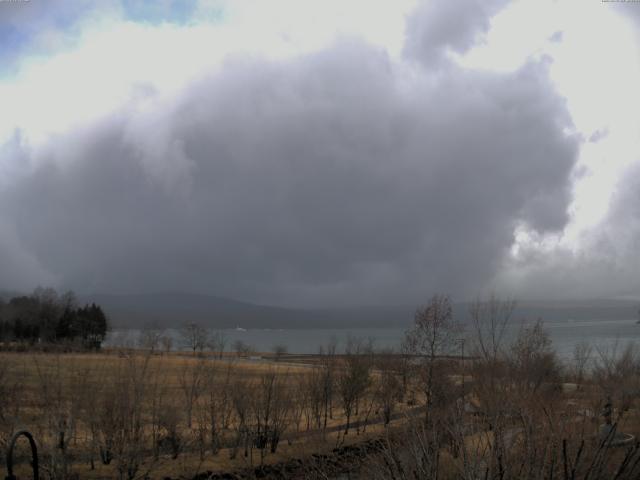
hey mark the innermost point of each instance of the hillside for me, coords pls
(218, 312)
(172, 309)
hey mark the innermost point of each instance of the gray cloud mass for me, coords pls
(607, 265)
(323, 179)
(437, 27)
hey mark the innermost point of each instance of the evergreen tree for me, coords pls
(46, 317)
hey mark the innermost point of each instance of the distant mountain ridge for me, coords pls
(175, 309)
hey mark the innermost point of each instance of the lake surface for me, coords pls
(565, 335)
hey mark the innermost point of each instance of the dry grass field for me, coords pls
(127, 414)
(134, 414)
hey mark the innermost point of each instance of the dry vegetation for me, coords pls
(510, 410)
(132, 414)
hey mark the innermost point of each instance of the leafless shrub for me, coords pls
(328, 378)
(617, 372)
(313, 383)
(533, 360)
(218, 343)
(191, 381)
(242, 349)
(582, 356)
(166, 343)
(354, 378)
(59, 391)
(170, 440)
(217, 406)
(241, 393)
(158, 403)
(11, 389)
(387, 385)
(300, 403)
(279, 351)
(120, 426)
(270, 407)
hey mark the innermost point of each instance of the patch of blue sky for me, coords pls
(160, 11)
(18, 31)
(13, 41)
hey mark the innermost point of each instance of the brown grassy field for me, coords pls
(144, 400)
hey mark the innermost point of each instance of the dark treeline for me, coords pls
(47, 317)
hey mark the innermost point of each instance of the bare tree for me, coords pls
(279, 351)
(242, 349)
(490, 320)
(313, 382)
(403, 367)
(60, 411)
(270, 407)
(300, 402)
(120, 416)
(582, 355)
(218, 343)
(241, 394)
(150, 337)
(191, 380)
(353, 379)
(11, 389)
(617, 372)
(432, 335)
(218, 405)
(328, 364)
(166, 342)
(194, 337)
(533, 359)
(388, 387)
(171, 439)
(158, 404)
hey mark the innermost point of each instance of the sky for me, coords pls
(328, 153)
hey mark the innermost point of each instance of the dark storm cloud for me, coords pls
(325, 178)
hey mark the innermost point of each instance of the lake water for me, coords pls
(565, 335)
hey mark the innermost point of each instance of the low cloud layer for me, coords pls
(342, 176)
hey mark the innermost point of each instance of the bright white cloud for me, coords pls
(595, 65)
(112, 56)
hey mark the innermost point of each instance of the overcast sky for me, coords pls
(321, 153)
